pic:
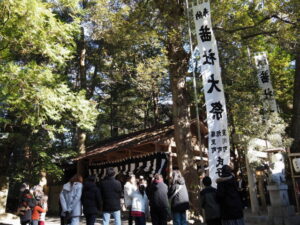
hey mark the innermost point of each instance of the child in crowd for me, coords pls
(209, 203)
(26, 204)
(140, 204)
(36, 213)
(44, 204)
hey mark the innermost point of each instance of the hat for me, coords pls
(226, 171)
(206, 181)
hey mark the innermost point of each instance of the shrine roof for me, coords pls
(153, 134)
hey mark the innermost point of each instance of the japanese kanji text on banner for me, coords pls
(264, 81)
(218, 139)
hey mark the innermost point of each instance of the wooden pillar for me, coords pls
(157, 147)
(252, 188)
(261, 191)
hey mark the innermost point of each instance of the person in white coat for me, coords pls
(70, 200)
(129, 188)
(140, 204)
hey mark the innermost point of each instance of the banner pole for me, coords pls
(195, 86)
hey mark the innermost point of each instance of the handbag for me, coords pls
(170, 202)
(174, 194)
(67, 218)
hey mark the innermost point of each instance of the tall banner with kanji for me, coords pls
(264, 82)
(218, 139)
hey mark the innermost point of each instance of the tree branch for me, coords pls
(284, 20)
(255, 25)
(259, 33)
(244, 28)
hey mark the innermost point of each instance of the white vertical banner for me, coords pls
(264, 81)
(218, 139)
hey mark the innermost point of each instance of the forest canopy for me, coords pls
(102, 68)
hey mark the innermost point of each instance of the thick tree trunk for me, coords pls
(296, 107)
(178, 64)
(183, 137)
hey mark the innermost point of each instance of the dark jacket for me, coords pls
(111, 191)
(208, 199)
(26, 204)
(179, 200)
(158, 195)
(90, 198)
(229, 198)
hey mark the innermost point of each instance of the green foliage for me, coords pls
(128, 49)
(36, 99)
(38, 108)
(30, 30)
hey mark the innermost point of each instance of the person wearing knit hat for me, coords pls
(229, 199)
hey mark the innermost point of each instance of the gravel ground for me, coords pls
(56, 221)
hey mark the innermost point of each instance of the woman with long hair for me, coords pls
(70, 199)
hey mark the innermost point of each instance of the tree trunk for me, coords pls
(114, 130)
(296, 107)
(81, 135)
(155, 107)
(82, 56)
(178, 64)
(4, 184)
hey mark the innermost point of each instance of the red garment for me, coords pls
(36, 212)
(41, 222)
(137, 214)
(25, 199)
(158, 181)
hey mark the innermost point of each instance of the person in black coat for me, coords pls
(111, 191)
(209, 202)
(178, 198)
(91, 200)
(229, 198)
(158, 198)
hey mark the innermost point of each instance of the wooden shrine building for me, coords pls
(144, 152)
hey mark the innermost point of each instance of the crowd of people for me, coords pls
(32, 205)
(143, 200)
